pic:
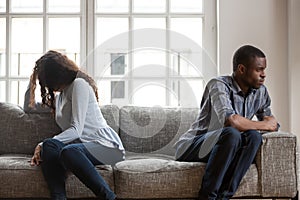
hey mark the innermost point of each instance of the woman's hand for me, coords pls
(36, 158)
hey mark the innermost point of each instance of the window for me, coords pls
(27, 30)
(151, 52)
(140, 52)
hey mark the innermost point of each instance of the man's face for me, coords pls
(255, 73)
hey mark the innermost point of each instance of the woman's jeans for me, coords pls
(227, 162)
(58, 158)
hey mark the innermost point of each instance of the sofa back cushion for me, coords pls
(20, 132)
(154, 130)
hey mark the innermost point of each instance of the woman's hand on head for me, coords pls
(36, 158)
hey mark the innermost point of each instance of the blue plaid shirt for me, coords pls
(223, 97)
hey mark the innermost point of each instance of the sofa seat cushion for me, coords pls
(163, 178)
(20, 180)
(157, 178)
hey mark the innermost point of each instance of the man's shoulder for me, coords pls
(221, 80)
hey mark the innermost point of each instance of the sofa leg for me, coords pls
(296, 197)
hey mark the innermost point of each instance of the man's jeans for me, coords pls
(227, 162)
(58, 157)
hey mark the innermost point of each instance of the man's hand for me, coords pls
(271, 123)
(36, 158)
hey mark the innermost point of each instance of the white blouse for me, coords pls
(79, 116)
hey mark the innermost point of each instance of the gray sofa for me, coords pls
(149, 171)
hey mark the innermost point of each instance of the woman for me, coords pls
(86, 140)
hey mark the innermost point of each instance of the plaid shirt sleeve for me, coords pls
(221, 102)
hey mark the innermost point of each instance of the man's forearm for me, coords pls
(244, 124)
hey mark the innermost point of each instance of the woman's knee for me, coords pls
(68, 153)
(50, 149)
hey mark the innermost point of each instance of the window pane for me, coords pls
(144, 91)
(67, 39)
(2, 91)
(18, 89)
(149, 23)
(111, 63)
(27, 6)
(2, 46)
(23, 63)
(27, 44)
(2, 63)
(186, 6)
(189, 27)
(27, 35)
(146, 6)
(149, 63)
(65, 6)
(181, 64)
(155, 38)
(107, 89)
(2, 5)
(110, 27)
(106, 6)
(111, 37)
(181, 89)
(117, 89)
(117, 63)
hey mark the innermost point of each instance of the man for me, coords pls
(224, 135)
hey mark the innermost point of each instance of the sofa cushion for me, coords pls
(20, 132)
(111, 115)
(165, 178)
(154, 129)
(20, 180)
(157, 178)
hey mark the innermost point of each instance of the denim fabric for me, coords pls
(58, 157)
(227, 163)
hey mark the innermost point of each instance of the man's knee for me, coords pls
(231, 136)
(254, 137)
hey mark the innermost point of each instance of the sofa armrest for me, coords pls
(277, 164)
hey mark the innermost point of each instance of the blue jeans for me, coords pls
(227, 162)
(58, 158)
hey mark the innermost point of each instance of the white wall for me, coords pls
(294, 64)
(262, 23)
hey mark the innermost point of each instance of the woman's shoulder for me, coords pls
(80, 81)
(79, 86)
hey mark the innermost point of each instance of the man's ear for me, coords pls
(241, 69)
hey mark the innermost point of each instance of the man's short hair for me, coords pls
(245, 54)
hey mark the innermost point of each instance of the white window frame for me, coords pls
(88, 31)
(8, 15)
(209, 39)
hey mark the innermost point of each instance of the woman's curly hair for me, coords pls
(55, 71)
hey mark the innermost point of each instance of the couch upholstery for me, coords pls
(149, 171)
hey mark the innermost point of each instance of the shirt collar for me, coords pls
(238, 90)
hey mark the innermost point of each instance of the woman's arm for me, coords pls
(38, 107)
